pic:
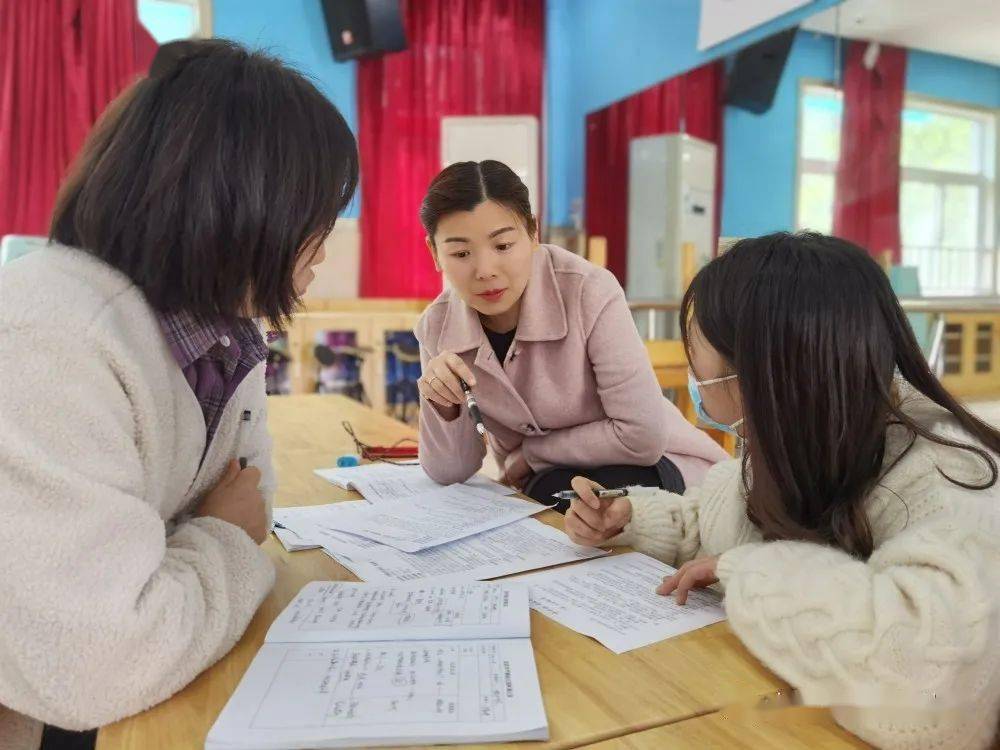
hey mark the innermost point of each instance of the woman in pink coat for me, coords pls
(547, 344)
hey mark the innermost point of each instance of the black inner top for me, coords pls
(500, 342)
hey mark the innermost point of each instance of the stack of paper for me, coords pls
(473, 532)
(430, 518)
(523, 545)
(514, 547)
(290, 539)
(381, 481)
(354, 665)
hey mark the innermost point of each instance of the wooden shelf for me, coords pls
(369, 328)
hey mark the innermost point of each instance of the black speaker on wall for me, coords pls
(361, 28)
(755, 72)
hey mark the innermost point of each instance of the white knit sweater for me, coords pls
(905, 647)
(111, 597)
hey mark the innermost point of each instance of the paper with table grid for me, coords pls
(327, 611)
(360, 665)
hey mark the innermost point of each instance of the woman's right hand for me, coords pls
(237, 500)
(439, 382)
(591, 521)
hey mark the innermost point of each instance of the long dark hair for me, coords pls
(205, 181)
(464, 185)
(816, 335)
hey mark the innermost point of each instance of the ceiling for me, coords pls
(961, 28)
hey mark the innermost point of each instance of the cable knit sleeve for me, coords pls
(907, 634)
(668, 526)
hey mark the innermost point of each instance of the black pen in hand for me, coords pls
(601, 494)
(470, 401)
(244, 421)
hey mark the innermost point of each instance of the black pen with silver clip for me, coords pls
(470, 401)
(601, 494)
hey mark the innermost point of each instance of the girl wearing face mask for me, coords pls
(547, 344)
(858, 541)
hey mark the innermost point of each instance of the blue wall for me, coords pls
(600, 51)
(295, 31)
(761, 150)
(953, 78)
(597, 51)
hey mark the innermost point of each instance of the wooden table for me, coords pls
(788, 729)
(590, 693)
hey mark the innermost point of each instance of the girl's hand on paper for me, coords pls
(694, 574)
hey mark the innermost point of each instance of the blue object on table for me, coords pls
(347, 461)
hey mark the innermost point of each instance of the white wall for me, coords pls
(338, 276)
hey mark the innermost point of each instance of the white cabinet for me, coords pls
(511, 139)
(671, 202)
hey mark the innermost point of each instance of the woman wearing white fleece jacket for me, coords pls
(132, 386)
(859, 547)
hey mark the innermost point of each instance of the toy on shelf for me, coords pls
(402, 370)
(340, 361)
(276, 380)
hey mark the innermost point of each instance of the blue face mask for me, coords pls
(694, 389)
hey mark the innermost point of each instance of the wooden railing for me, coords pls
(964, 343)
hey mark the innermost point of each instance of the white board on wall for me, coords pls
(511, 139)
(724, 19)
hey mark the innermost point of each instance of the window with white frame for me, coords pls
(947, 201)
(170, 20)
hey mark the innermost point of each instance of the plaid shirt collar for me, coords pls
(191, 337)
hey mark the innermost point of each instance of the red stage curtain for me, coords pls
(866, 201)
(464, 57)
(61, 63)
